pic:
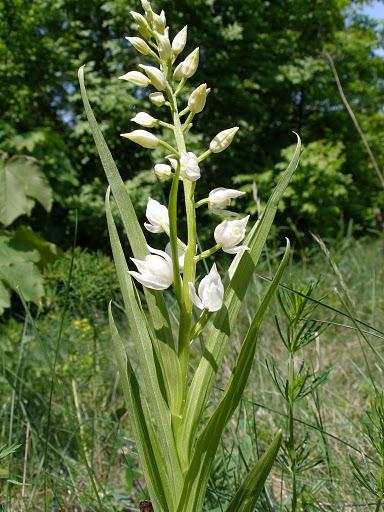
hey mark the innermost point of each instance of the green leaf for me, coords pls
(150, 457)
(25, 239)
(150, 380)
(208, 441)
(21, 184)
(224, 321)
(247, 494)
(164, 341)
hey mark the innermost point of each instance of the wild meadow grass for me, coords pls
(74, 448)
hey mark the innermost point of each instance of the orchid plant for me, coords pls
(166, 392)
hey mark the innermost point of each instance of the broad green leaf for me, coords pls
(150, 379)
(246, 496)
(164, 340)
(208, 441)
(21, 184)
(25, 239)
(225, 320)
(150, 457)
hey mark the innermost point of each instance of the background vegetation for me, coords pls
(64, 431)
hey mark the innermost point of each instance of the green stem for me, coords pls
(291, 438)
(208, 252)
(188, 121)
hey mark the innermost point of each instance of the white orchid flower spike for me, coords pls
(189, 166)
(230, 233)
(155, 271)
(157, 215)
(210, 293)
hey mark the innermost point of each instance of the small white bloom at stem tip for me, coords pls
(229, 233)
(143, 138)
(144, 119)
(197, 99)
(163, 171)
(210, 292)
(219, 198)
(142, 24)
(189, 166)
(159, 22)
(179, 41)
(157, 215)
(136, 78)
(155, 76)
(223, 139)
(155, 271)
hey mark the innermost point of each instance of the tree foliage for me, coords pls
(263, 61)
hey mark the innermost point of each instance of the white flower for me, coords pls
(158, 217)
(163, 45)
(136, 78)
(180, 254)
(229, 233)
(190, 64)
(220, 198)
(163, 171)
(222, 140)
(155, 271)
(144, 119)
(143, 138)
(189, 166)
(210, 292)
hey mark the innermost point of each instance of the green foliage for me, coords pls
(318, 191)
(21, 184)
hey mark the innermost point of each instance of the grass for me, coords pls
(90, 461)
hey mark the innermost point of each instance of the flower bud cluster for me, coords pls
(161, 269)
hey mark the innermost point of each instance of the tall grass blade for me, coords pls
(247, 494)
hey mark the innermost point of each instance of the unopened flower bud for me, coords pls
(178, 74)
(157, 98)
(142, 23)
(144, 119)
(159, 22)
(197, 99)
(146, 5)
(139, 44)
(143, 138)
(222, 140)
(210, 292)
(136, 78)
(179, 41)
(156, 77)
(190, 63)
(163, 171)
(164, 45)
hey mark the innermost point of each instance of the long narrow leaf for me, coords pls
(146, 358)
(208, 441)
(225, 319)
(148, 449)
(164, 341)
(246, 496)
